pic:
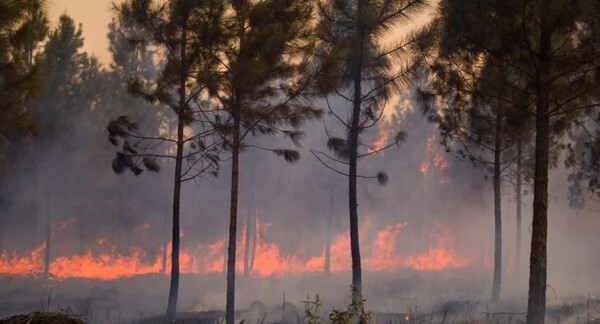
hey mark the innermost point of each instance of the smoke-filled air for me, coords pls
(301, 162)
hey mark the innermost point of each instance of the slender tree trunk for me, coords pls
(536, 307)
(236, 112)
(230, 305)
(517, 269)
(353, 161)
(174, 288)
(497, 280)
(327, 263)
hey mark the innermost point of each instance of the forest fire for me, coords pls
(380, 255)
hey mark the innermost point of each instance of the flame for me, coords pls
(381, 255)
(433, 159)
(438, 257)
(379, 143)
(30, 264)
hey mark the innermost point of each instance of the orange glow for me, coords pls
(380, 255)
(379, 143)
(31, 264)
(439, 256)
(433, 159)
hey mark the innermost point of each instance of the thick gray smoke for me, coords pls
(93, 210)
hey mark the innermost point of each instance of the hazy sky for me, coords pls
(94, 15)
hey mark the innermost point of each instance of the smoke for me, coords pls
(98, 213)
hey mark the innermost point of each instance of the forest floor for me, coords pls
(410, 297)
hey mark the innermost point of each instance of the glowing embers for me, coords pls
(380, 249)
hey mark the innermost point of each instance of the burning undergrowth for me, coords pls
(383, 252)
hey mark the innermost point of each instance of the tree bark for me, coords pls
(536, 306)
(517, 269)
(497, 280)
(353, 158)
(174, 287)
(230, 304)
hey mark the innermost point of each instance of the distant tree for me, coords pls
(181, 30)
(551, 46)
(60, 104)
(362, 72)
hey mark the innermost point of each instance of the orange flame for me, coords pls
(13, 264)
(433, 159)
(269, 260)
(379, 143)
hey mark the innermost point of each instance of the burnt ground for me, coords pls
(409, 297)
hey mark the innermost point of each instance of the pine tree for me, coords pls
(260, 86)
(23, 25)
(181, 30)
(364, 74)
(550, 45)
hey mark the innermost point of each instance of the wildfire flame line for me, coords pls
(381, 255)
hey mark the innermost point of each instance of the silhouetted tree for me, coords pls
(61, 104)
(364, 74)
(260, 86)
(181, 30)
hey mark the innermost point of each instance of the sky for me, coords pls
(94, 15)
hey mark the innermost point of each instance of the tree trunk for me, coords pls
(236, 112)
(174, 288)
(497, 280)
(517, 269)
(353, 159)
(327, 262)
(230, 305)
(536, 306)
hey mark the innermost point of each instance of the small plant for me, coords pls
(311, 309)
(355, 312)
